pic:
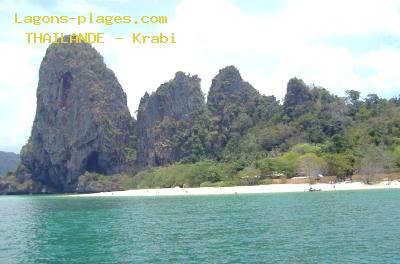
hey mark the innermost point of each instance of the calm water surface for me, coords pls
(327, 227)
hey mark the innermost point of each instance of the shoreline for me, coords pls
(255, 189)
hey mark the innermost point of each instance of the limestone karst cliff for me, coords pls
(165, 120)
(297, 99)
(236, 104)
(174, 123)
(83, 126)
(82, 121)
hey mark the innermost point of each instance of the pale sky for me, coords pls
(338, 44)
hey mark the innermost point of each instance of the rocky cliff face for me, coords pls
(165, 120)
(236, 104)
(82, 121)
(297, 99)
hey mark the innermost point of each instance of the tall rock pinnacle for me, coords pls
(237, 104)
(82, 121)
(165, 120)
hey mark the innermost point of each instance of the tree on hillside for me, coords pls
(310, 165)
(339, 164)
(353, 102)
(396, 157)
(371, 100)
(373, 162)
(352, 96)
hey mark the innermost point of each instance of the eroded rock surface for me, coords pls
(165, 120)
(82, 121)
(236, 104)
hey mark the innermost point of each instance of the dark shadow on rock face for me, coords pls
(66, 81)
(93, 165)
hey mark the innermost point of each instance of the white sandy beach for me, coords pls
(271, 188)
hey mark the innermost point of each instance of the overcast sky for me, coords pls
(339, 45)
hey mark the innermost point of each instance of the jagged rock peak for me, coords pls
(297, 94)
(235, 101)
(160, 119)
(229, 72)
(181, 76)
(175, 98)
(296, 85)
(228, 87)
(228, 78)
(181, 83)
(82, 121)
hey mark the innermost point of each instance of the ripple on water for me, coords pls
(331, 227)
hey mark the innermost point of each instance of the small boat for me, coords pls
(314, 190)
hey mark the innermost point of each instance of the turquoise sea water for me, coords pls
(326, 227)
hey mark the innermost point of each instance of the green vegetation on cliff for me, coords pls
(237, 137)
(312, 132)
